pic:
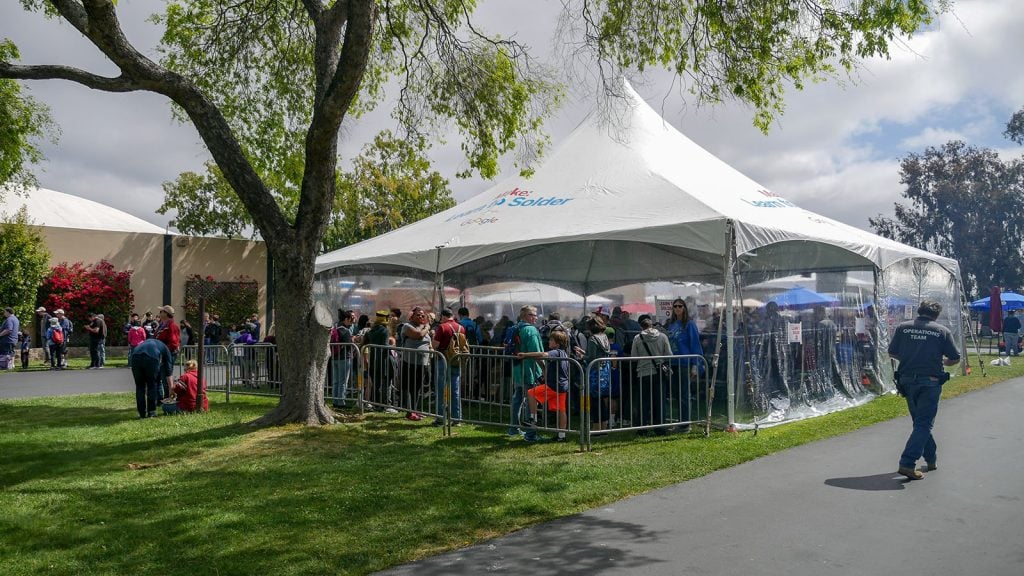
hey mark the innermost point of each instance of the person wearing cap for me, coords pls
(67, 327)
(56, 351)
(169, 333)
(44, 325)
(9, 332)
(381, 371)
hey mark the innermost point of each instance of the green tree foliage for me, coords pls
(965, 203)
(390, 185)
(1015, 127)
(750, 51)
(23, 122)
(234, 301)
(26, 261)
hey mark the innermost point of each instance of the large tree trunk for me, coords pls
(302, 328)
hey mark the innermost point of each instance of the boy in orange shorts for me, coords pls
(554, 393)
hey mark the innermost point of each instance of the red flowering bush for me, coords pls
(233, 301)
(80, 289)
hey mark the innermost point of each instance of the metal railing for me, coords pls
(491, 388)
(620, 399)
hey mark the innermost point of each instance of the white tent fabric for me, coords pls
(539, 293)
(611, 207)
(58, 210)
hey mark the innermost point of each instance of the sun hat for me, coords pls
(167, 309)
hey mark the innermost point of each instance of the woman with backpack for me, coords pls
(55, 341)
(598, 346)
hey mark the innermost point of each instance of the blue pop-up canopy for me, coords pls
(799, 296)
(1010, 300)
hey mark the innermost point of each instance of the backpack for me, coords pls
(547, 329)
(510, 341)
(457, 345)
(57, 336)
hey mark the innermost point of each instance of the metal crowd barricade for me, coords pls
(338, 354)
(490, 398)
(214, 370)
(396, 381)
(657, 404)
(252, 369)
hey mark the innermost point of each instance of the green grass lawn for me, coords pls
(73, 364)
(85, 488)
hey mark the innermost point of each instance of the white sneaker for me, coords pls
(390, 411)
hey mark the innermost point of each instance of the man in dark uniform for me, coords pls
(920, 346)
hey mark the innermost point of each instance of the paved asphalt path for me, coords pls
(65, 382)
(834, 507)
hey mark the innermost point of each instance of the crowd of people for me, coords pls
(401, 367)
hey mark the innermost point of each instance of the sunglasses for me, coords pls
(677, 306)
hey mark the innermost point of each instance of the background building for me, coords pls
(80, 230)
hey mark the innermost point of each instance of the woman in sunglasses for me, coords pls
(684, 339)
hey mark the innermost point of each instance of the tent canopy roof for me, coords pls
(619, 202)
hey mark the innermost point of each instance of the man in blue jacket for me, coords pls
(151, 365)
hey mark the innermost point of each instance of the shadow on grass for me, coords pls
(50, 455)
(338, 499)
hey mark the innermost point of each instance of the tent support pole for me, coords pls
(730, 329)
(439, 284)
(965, 307)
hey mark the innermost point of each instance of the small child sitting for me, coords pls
(554, 393)
(185, 390)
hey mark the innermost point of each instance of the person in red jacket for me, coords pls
(169, 333)
(185, 389)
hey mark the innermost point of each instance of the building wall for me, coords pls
(224, 260)
(143, 254)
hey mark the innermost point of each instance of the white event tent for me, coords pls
(626, 198)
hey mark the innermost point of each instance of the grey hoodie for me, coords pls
(658, 344)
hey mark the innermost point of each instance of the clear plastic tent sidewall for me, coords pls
(804, 359)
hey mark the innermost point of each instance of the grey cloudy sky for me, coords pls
(836, 150)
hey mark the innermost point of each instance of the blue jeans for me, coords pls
(454, 408)
(341, 369)
(518, 393)
(171, 409)
(923, 402)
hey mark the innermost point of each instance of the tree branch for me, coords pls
(318, 185)
(313, 8)
(88, 79)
